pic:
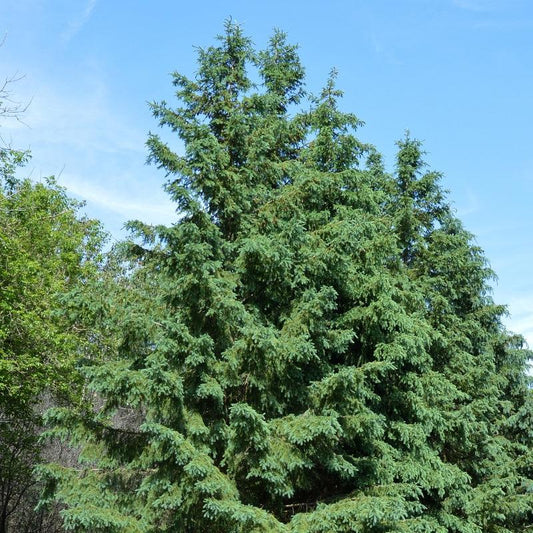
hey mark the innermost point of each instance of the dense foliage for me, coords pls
(46, 249)
(312, 345)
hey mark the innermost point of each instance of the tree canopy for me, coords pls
(46, 249)
(312, 345)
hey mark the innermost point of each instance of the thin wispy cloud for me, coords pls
(158, 208)
(486, 6)
(523, 325)
(384, 51)
(479, 6)
(469, 205)
(504, 25)
(75, 25)
(519, 302)
(79, 116)
(98, 154)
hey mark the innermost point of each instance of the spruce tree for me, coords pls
(317, 349)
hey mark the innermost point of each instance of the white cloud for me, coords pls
(75, 25)
(114, 196)
(476, 5)
(487, 6)
(385, 51)
(75, 131)
(521, 315)
(78, 116)
(468, 204)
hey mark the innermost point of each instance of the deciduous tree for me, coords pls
(46, 249)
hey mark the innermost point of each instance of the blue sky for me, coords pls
(457, 73)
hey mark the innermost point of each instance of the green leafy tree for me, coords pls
(45, 250)
(314, 347)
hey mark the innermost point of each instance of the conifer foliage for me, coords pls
(317, 351)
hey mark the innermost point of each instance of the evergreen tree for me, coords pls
(314, 347)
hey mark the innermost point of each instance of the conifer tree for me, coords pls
(317, 349)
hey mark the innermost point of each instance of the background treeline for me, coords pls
(310, 347)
